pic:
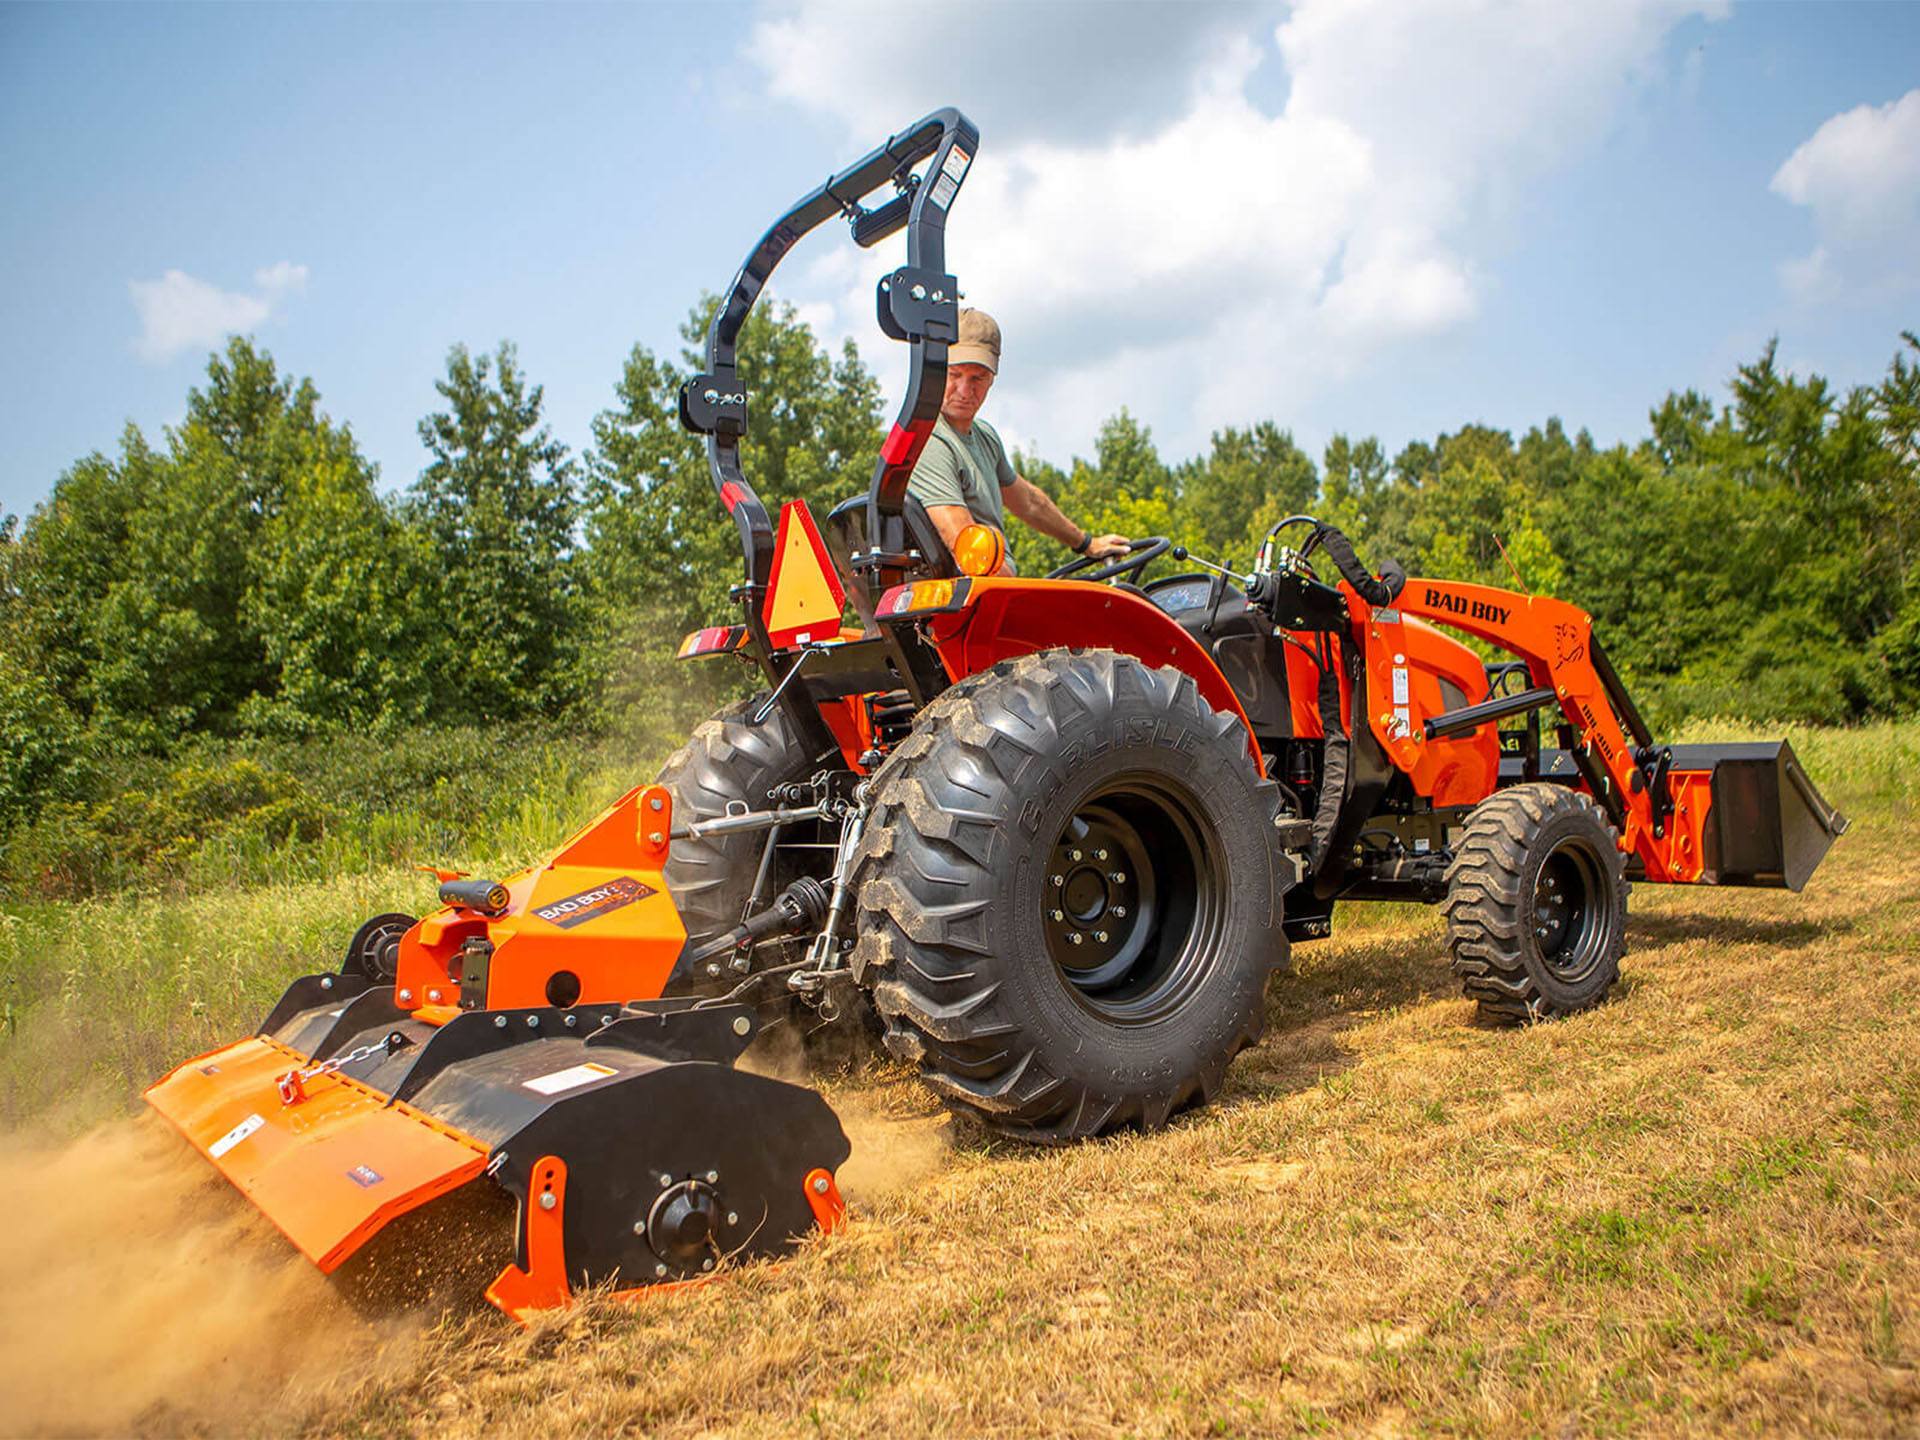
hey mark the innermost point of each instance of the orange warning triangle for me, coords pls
(804, 595)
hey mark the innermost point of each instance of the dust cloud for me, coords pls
(890, 1152)
(143, 1295)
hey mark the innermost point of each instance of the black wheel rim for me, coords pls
(1569, 910)
(1138, 877)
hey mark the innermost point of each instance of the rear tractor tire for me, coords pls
(726, 761)
(1536, 904)
(1069, 895)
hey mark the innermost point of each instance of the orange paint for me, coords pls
(331, 1170)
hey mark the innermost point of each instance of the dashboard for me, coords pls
(1179, 594)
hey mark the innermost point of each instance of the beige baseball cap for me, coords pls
(979, 342)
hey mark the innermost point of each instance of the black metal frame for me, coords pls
(918, 303)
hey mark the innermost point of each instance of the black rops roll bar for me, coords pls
(918, 303)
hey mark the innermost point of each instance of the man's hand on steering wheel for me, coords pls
(1100, 547)
(1127, 558)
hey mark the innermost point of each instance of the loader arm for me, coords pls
(1660, 809)
(1555, 639)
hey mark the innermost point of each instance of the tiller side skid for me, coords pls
(635, 1151)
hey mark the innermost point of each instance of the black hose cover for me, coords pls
(1381, 591)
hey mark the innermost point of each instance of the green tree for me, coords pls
(69, 554)
(170, 642)
(1249, 479)
(1126, 489)
(497, 504)
(663, 552)
(343, 596)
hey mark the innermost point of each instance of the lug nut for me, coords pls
(707, 1264)
(713, 1177)
(1101, 936)
(1118, 877)
(1120, 911)
(1057, 879)
(1073, 855)
(732, 1218)
(1058, 914)
(1076, 938)
(665, 1181)
(639, 1227)
(658, 1270)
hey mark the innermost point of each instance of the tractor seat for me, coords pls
(846, 535)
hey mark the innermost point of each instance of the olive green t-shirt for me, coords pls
(969, 470)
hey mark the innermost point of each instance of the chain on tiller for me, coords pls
(293, 1084)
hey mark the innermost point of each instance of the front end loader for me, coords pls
(1052, 836)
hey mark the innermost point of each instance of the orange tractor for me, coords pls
(1053, 836)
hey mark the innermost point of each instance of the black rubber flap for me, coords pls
(307, 997)
(634, 1130)
(1769, 825)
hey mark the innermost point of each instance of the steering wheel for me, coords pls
(1140, 554)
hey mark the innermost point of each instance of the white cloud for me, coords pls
(1859, 175)
(178, 312)
(1061, 70)
(1239, 219)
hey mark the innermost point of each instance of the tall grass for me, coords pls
(99, 994)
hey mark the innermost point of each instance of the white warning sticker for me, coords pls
(1402, 722)
(234, 1136)
(570, 1078)
(952, 172)
(1399, 685)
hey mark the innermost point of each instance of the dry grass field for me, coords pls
(1695, 1210)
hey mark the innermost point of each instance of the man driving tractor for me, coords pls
(966, 478)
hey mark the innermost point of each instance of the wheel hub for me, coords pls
(1563, 911)
(683, 1222)
(1099, 902)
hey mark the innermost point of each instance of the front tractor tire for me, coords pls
(1070, 896)
(1536, 904)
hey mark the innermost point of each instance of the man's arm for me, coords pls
(1030, 503)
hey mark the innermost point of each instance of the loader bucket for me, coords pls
(1767, 824)
(634, 1149)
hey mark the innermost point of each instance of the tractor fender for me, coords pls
(994, 618)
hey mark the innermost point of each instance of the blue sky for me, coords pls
(1380, 218)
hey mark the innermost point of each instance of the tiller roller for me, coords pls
(497, 1043)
